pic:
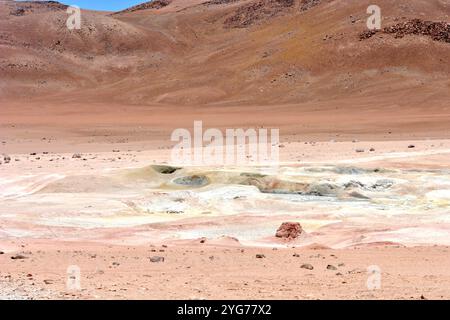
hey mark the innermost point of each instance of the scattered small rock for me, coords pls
(76, 156)
(156, 259)
(18, 257)
(307, 266)
(331, 267)
(18, 12)
(438, 31)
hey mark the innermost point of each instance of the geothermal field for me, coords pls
(94, 204)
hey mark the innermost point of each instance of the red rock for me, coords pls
(289, 230)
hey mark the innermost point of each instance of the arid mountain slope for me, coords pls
(236, 52)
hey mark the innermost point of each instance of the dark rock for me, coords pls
(165, 169)
(353, 184)
(260, 256)
(367, 34)
(307, 266)
(331, 267)
(18, 12)
(437, 31)
(308, 4)
(18, 257)
(257, 11)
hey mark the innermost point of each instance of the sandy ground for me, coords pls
(221, 272)
(115, 263)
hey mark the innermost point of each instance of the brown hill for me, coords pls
(229, 52)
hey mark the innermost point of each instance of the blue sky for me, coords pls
(109, 5)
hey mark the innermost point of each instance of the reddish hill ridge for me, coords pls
(229, 52)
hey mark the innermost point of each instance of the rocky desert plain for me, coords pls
(92, 206)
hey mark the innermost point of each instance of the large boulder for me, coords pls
(289, 230)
